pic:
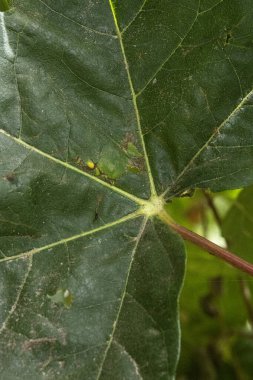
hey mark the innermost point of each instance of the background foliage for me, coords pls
(216, 300)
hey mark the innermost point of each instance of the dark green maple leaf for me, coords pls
(81, 81)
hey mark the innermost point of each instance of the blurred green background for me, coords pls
(216, 305)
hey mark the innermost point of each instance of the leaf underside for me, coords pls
(82, 82)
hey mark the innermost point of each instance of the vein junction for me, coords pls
(151, 208)
(147, 209)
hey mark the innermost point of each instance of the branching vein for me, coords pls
(32, 252)
(211, 138)
(73, 168)
(138, 239)
(171, 55)
(14, 306)
(75, 22)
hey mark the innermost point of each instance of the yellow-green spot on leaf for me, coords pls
(90, 164)
(132, 150)
(62, 297)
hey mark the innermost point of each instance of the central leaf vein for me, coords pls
(134, 98)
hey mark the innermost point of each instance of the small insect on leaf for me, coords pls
(62, 297)
(97, 171)
(90, 164)
(11, 178)
(133, 169)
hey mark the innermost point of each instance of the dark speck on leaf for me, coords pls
(11, 177)
(228, 37)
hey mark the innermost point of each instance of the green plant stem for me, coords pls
(207, 245)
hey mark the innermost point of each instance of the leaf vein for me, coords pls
(138, 239)
(171, 54)
(213, 135)
(90, 85)
(211, 8)
(14, 306)
(75, 169)
(134, 18)
(151, 180)
(137, 370)
(77, 23)
(33, 251)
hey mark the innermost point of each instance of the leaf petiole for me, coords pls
(207, 245)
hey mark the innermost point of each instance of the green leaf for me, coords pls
(80, 81)
(4, 5)
(216, 321)
(238, 225)
(211, 319)
(237, 228)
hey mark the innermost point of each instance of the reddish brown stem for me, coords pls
(213, 249)
(207, 245)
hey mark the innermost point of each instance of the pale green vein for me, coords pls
(34, 251)
(130, 358)
(17, 85)
(234, 70)
(20, 290)
(15, 223)
(73, 168)
(211, 8)
(77, 23)
(135, 17)
(213, 135)
(182, 39)
(138, 238)
(90, 85)
(151, 180)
